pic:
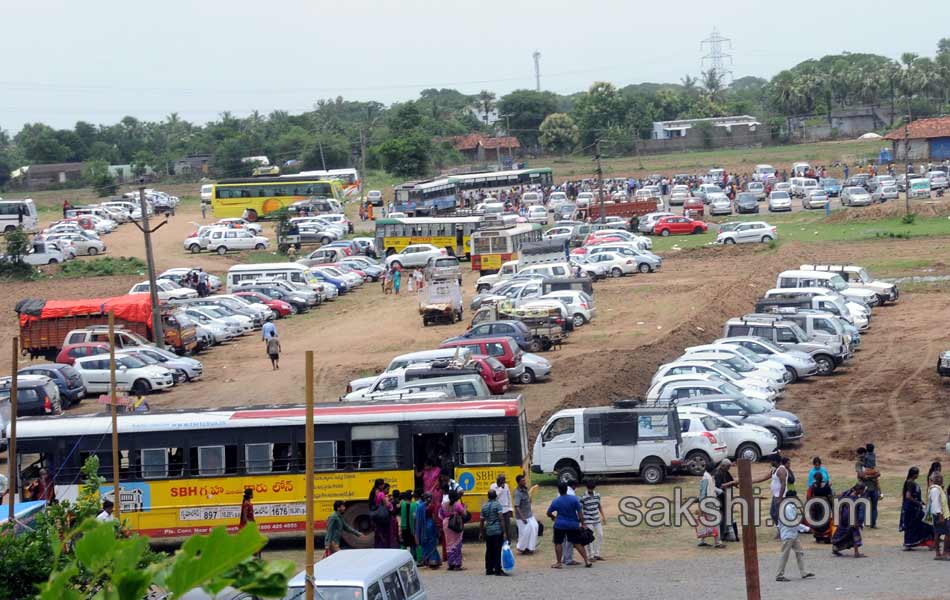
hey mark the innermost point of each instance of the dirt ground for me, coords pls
(889, 394)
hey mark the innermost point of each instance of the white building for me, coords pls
(665, 130)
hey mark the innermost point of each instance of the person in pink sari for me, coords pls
(453, 539)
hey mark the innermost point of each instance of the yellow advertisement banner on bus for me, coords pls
(398, 243)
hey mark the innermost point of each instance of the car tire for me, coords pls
(579, 320)
(729, 241)
(645, 268)
(324, 241)
(92, 252)
(616, 272)
(697, 231)
(652, 472)
(826, 364)
(222, 250)
(568, 471)
(749, 451)
(793, 373)
(766, 239)
(527, 377)
(194, 248)
(259, 247)
(53, 261)
(696, 462)
(9, 228)
(665, 232)
(141, 387)
(779, 438)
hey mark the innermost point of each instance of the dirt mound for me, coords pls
(931, 208)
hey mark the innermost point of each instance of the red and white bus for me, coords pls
(493, 246)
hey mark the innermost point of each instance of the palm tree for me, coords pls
(712, 84)
(486, 102)
(910, 80)
(689, 85)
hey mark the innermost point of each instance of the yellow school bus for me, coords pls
(451, 233)
(257, 197)
(183, 473)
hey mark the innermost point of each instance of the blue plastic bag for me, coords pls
(507, 558)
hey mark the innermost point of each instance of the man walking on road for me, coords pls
(527, 524)
(490, 530)
(268, 331)
(789, 528)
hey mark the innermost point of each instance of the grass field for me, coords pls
(733, 159)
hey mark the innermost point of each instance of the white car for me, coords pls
(594, 270)
(374, 197)
(220, 331)
(584, 199)
(750, 442)
(81, 243)
(101, 224)
(167, 290)
(780, 201)
(674, 387)
(752, 231)
(719, 204)
(559, 233)
(556, 200)
(774, 369)
(224, 240)
(537, 214)
(215, 316)
(688, 366)
(238, 223)
(855, 196)
(414, 255)
(178, 273)
(938, 180)
(131, 374)
(615, 265)
(765, 377)
(579, 305)
(67, 227)
(44, 253)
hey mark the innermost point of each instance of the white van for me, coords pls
(206, 191)
(801, 186)
(562, 269)
(763, 173)
(824, 279)
(10, 215)
(292, 272)
(371, 574)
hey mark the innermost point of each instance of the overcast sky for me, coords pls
(102, 59)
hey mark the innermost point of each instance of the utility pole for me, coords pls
(537, 70)
(323, 159)
(750, 552)
(116, 498)
(308, 458)
(11, 443)
(600, 181)
(715, 57)
(157, 329)
(907, 158)
(362, 162)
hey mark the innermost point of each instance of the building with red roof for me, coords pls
(923, 139)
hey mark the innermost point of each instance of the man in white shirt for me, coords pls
(504, 498)
(788, 531)
(106, 514)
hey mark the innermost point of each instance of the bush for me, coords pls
(103, 267)
(909, 219)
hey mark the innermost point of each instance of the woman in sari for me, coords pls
(916, 532)
(848, 534)
(430, 478)
(821, 519)
(453, 539)
(382, 537)
(427, 534)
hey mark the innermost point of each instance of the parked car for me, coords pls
(855, 196)
(181, 276)
(770, 369)
(414, 255)
(757, 188)
(37, 395)
(82, 244)
(943, 364)
(646, 261)
(71, 352)
(537, 214)
(815, 198)
(299, 302)
(695, 207)
(374, 197)
(798, 364)
(358, 574)
(746, 202)
(785, 426)
(280, 308)
(167, 290)
(536, 368)
(752, 231)
(676, 387)
(831, 186)
(513, 329)
(780, 201)
(705, 190)
(751, 384)
(131, 374)
(223, 241)
(678, 226)
(885, 192)
(443, 267)
(719, 204)
(616, 265)
(938, 180)
(66, 378)
(858, 277)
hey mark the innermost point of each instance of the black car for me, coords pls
(36, 395)
(746, 202)
(66, 378)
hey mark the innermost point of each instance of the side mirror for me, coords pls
(123, 368)
(743, 413)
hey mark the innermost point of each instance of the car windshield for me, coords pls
(145, 358)
(736, 364)
(855, 190)
(837, 283)
(754, 406)
(829, 182)
(746, 197)
(729, 388)
(725, 370)
(780, 195)
(215, 312)
(748, 354)
(864, 277)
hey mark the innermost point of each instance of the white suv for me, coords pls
(130, 374)
(224, 240)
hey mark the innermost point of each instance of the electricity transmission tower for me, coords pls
(715, 58)
(537, 70)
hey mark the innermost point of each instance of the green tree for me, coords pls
(486, 103)
(598, 109)
(40, 144)
(526, 110)
(559, 133)
(407, 156)
(228, 160)
(142, 161)
(333, 150)
(96, 175)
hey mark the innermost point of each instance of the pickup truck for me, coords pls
(547, 326)
(46, 324)
(440, 301)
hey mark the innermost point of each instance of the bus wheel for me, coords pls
(357, 517)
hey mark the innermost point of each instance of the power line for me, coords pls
(715, 57)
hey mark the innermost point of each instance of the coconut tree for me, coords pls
(486, 103)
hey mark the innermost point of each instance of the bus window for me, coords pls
(375, 446)
(483, 245)
(258, 458)
(484, 449)
(500, 245)
(214, 460)
(154, 463)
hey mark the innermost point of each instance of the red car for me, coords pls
(503, 349)
(71, 352)
(493, 372)
(678, 226)
(280, 308)
(694, 205)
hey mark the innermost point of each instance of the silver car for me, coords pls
(816, 198)
(780, 201)
(414, 255)
(719, 204)
(855, 196)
